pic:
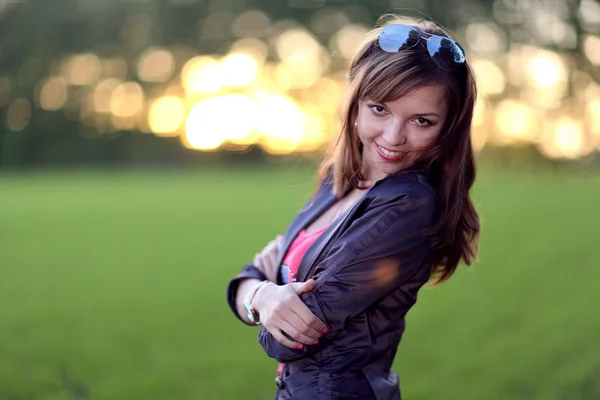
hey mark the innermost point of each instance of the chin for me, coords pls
(395, 170)
(386, 170)
(403, 167)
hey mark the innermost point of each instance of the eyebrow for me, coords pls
(431, 114)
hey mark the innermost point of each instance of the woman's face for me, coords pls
(395, 134)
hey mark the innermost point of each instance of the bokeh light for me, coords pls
(485, 37)
(315, 130)
(591, 49)
(255, 48)
(238, 70)
(277, 83)
(565, 139)
(281, 124)
(252, 23)
(18, 114)
(592, 117)
(490, 77)
(213, 121)
(546, 70)
(126, 100)
(515, 122)
(304, 58)
(156, 65)
(82, 69)
(589, 14)
(480, 129)
(166, 115)
(102, 94)
(326, 21)
(114, 67)
(347, 40)
(201, 74)
(53, 94)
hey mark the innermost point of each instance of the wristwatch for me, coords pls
(252, 313)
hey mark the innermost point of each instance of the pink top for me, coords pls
(291, 261)
(294, 255)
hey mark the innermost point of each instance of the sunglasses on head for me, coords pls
(444, 51)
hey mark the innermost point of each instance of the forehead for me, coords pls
(424, 99)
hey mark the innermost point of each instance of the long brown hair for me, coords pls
(450, 162)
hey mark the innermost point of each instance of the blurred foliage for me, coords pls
(537, 62)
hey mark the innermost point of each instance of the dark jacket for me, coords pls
(369, 265)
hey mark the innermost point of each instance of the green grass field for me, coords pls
(112, 286)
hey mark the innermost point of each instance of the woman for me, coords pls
(392, 212)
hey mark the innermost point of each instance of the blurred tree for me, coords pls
(36, 34)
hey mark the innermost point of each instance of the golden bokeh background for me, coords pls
(278, 84)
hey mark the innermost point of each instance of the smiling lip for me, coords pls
(389, 155)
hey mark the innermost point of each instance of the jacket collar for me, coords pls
(323, 200)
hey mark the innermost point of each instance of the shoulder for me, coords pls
(399, 206)
(404, 189)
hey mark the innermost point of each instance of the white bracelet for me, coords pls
(250, 311)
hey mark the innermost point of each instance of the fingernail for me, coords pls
(299, 346)
(316, 341)
(325, 330)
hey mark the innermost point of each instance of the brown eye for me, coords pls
(379, 110)
(423, 122)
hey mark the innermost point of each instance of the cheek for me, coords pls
(368, 128)
(424, 139)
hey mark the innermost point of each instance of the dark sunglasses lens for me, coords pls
(397, 37)
(445, 52)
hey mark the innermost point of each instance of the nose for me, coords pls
(395, 134)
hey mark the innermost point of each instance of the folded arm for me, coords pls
(239, 286)
(379, 252)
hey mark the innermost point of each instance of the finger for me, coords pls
(297, 306)
(304, 327)
(295, 334)
(304, 287)
(280, 337)
(302, 310)
(270, 248)
(308, 317)
(272, 260)
(272, 244)
(257, 261)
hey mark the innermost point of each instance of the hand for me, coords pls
(281, 309)
(266, 260)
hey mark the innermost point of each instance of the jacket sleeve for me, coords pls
(380, 250)
(249, 271)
